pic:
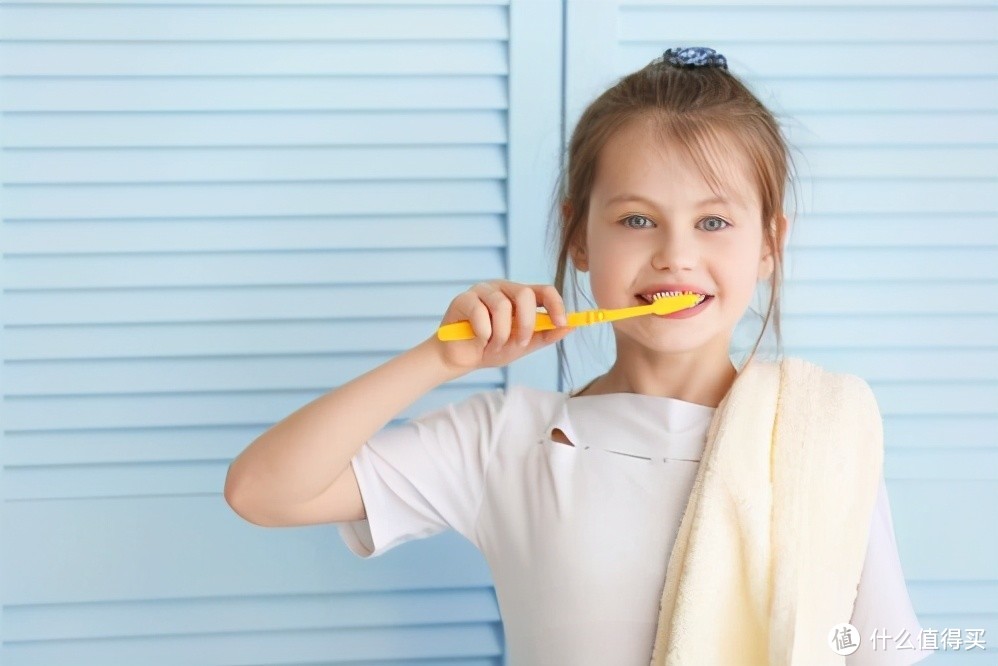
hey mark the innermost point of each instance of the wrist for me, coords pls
(431, 350)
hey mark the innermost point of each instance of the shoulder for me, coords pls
(531, 409)
(510, 403)
(528, 399)
(847, 402)
(844, 389)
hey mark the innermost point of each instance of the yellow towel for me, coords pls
(773, 539)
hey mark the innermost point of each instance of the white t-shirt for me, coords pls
(578, 537)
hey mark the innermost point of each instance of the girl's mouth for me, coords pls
(681, 314)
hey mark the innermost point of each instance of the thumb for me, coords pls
(550, 336)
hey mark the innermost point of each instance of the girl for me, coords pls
(610, 543)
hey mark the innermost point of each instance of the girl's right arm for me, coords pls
(298, 471)
(302, 456)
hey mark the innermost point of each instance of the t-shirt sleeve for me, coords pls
(426, 475)
(883, 608)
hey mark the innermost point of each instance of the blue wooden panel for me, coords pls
(950, 597)
(844, 5)
(859, 296)
(306, 572)
(886, 161)
(853, 332)
(944, 530)
(254, 303)
(875, 58)
(257, 128)
(217, 58)
(127, 21)
(322, 610)
(893, 264)
(896, 230)
(952, 462)
(211, 214)
(204, 234)
(654, 22)
(195, 165)
(383, 93)
(867, 131)
(899, 380)
(901, 195)
(278, 338)
(34, 448)
(939, 431)
(469, 645)
(120, 410)
(287, 268)
(188, 551)
(225, 199)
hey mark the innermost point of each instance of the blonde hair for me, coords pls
(696, 108)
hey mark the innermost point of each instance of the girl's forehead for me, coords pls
(642, 164)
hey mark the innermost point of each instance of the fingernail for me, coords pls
(524, 342)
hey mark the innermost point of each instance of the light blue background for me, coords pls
(212, 214)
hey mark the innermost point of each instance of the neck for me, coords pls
(693, 376)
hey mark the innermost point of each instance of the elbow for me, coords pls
(229, 491)
(236, 500)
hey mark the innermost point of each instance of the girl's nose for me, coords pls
(675, 252)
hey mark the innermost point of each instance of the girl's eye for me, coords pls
(727, 224)
(642, 217)
(635, 217)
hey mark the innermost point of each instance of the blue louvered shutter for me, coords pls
(212, 214)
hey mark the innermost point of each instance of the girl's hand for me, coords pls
(490, 307)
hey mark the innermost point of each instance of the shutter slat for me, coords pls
(132, 22)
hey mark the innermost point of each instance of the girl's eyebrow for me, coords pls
(637, 197)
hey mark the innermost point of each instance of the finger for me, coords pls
(468, 306)
(550, 336)
(548, 296)
(556, 334)
(479, 294)
(526, 313)
(481, 323)
(484, 288)
(462, 306)
(501, 312)
(554, 304)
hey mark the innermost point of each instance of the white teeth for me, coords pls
(663, 294)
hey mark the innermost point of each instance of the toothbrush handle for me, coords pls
(461, 330)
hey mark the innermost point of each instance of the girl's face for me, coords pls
(672, 233)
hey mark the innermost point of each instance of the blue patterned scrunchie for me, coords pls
(694, 56)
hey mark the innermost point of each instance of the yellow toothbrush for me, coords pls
(461, 330)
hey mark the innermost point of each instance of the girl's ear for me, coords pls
(767, 262)
(784, 223)
(766, 267)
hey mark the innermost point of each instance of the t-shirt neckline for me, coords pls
(641, 396)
